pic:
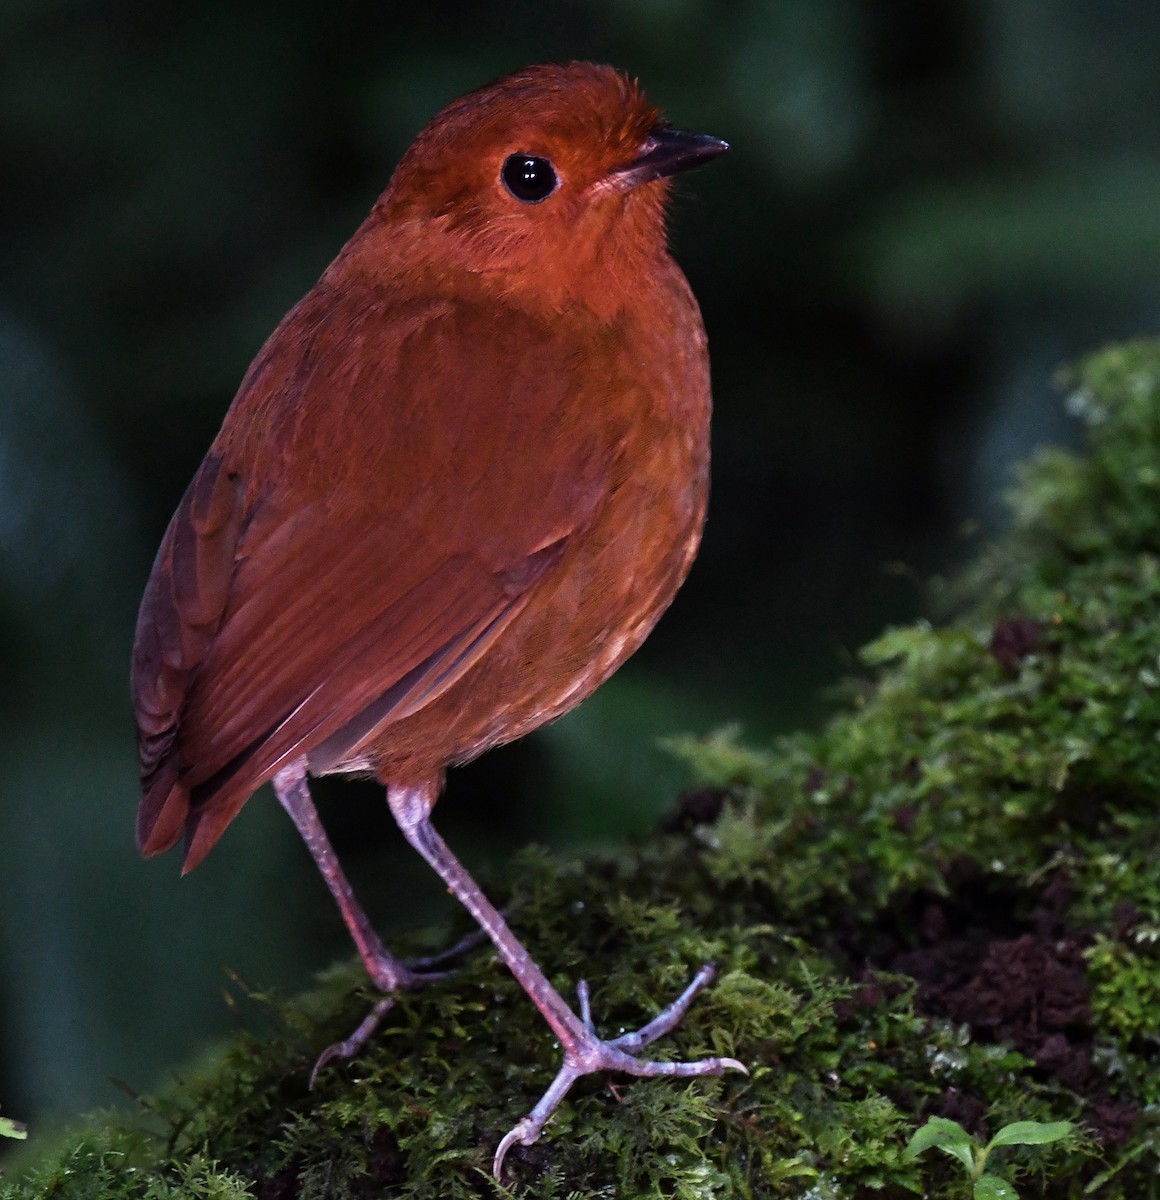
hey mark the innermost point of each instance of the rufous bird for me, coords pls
(456, 489)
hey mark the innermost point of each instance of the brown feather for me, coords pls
(437, 514)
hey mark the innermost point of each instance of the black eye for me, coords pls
(529, 178)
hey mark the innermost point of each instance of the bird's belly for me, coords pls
(574, 631)
(584, 663)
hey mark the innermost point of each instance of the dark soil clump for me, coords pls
(1011, 979)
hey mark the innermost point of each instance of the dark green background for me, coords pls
(927, 209)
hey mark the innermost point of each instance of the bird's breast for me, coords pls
(632, 545)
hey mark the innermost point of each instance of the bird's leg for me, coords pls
(388, 973)
(584, 1052)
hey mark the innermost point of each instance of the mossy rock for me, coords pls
(945, 903)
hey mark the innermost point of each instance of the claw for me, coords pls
(592, 1054)
(443, 963)
(352, 1046)
(404, 976)
(585, 1006)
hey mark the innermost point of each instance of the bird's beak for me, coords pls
(665, 152)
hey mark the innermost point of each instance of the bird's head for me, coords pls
(549, 185)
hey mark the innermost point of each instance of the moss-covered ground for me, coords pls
(947, 902)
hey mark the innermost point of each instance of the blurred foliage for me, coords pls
(927, 208)
(959, 752)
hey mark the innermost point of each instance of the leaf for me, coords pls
(1031, 1133)
(12, 1129)
(948, 1136)
(991, 1187)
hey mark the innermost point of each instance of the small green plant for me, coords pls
(12, 1129)
(951, 1138)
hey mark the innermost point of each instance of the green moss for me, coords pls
(1006, 762)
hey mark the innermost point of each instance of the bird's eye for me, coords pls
(528, 177)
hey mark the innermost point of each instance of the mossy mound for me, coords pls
(945, 903)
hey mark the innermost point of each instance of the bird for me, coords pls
(456, 489)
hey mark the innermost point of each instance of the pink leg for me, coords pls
(584, 1052)
(389, 973)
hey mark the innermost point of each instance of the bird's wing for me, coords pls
(383, 498)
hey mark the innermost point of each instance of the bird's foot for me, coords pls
(351, 1047)
(590, 1054)
(391, 976)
